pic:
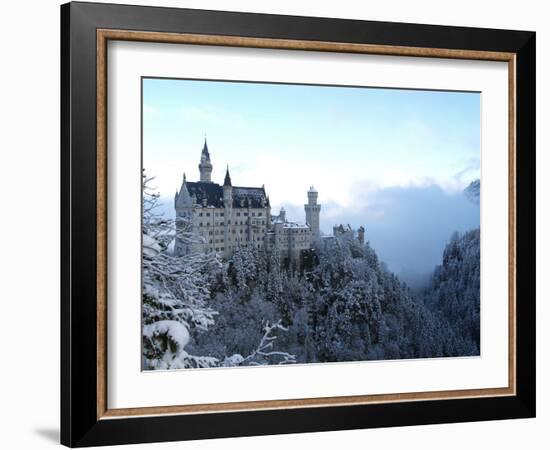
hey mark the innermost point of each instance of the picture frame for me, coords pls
(86, 29)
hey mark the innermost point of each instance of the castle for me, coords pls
(227, 216)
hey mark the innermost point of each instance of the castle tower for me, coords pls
(182, 200)
(361, 234)
(313, 210)
(228, 208)
(227, 189)
(205, 166)
(183, 203)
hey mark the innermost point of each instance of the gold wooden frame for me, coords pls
(103, 36)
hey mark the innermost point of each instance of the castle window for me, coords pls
(221, 214)
(210, 233)
(200, 214)
(238, 214)
(200, 224)
(207, 224)
(259, 214)
(222, 249)
(207, 214)
(246, 214)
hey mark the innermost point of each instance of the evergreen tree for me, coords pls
(176, 294)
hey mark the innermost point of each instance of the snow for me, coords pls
(150, 246)
(174, 330)
(296, 225)
(233, 360)
(278, 220)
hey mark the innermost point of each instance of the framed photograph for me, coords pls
(278, 224)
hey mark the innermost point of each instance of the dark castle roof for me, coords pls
(205, 151)
(213, 193)
(227, 181)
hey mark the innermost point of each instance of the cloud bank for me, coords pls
(409, 226)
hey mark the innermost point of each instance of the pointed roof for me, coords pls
(227, 180)
(205, 155)
(183, 198)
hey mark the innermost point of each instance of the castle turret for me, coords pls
(182, 200)
(227, 181)
(228, 208)
(227, 191)
(361, 234)
(313, 210)
(183, 203)
(205, 166)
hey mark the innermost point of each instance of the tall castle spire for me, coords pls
(205, 166)
(228, 206)
(227, 180)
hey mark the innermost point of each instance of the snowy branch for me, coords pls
(264, 348)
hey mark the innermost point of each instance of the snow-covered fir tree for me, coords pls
(176, 294)
(346, 307)
(454, 291)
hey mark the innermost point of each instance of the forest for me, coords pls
(341, 304)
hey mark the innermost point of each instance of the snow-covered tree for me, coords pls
(454, 290)
(176, 290)
(176, 294)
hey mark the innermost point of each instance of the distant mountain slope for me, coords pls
(454, 291)
(472, 191)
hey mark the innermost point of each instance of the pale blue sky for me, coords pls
(349, 142)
